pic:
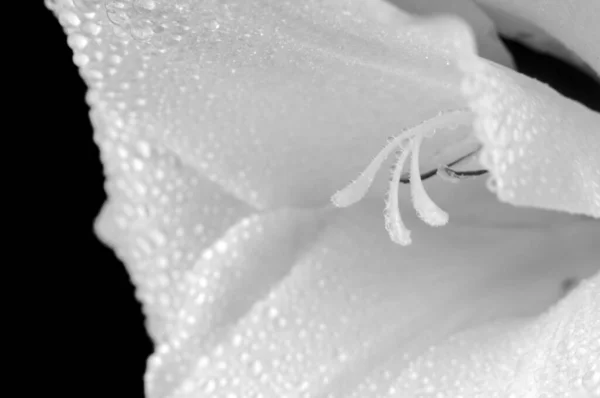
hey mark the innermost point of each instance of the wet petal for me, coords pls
(211, 114)
(541, 148)
(555, 355)
(338, 310)
(189, 147)
(160, 217)
(273, 103)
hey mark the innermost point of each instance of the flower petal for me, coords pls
(160, 217)
(335, 310)
(541, 148)
(554, 355)
(573, 23)
(272, 102)
(202, 110)
(201, 107)
(489, 45)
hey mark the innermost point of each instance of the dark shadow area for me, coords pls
(103, 340)
(565, 78)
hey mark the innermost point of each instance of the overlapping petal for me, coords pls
(555, 355)
(188, 151)
(541, 148)
(226, 125)
(572, 23)
(272, 100)
(342, 310)
(486, 36)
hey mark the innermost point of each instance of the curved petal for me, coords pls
(489, 45)
(555, 355)
(159, 218)
(541, 148)
(270, 100)
(573, 23)
(188, 146)
(336, 310)
(201, 108)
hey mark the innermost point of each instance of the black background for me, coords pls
(107, 328)
(101, 345)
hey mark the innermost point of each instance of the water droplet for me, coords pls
(591, 381)
(146, 4)
(214, 25)
(221, 246)
(237, 340)
(116, 13)
(256, 367)
(81, 60)
(77, 42)
(91, 28)
(203, 362)
(70, 18)
(492, 184)
(210, 386)
(88, 6)
(142, 33)
(198, 229)
(273, 312)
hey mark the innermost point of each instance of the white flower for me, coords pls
(225, 128)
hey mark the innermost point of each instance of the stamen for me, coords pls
(409, 141)
(426, 209)
(358, 188)
(447, 174)
(393, 222)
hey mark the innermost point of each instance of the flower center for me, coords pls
(407, 143)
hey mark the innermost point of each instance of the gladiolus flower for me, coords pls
(245, 143)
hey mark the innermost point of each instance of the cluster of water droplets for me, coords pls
(226, 344)
(153, 26)
(161, 213)
(523, 141)
(165, 217)
(162, 24)
(171, 225)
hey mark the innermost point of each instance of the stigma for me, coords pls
(406, 145)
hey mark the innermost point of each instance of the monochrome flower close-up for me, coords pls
(349, 198)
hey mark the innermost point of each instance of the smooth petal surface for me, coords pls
(555, 355)
(488, 44)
